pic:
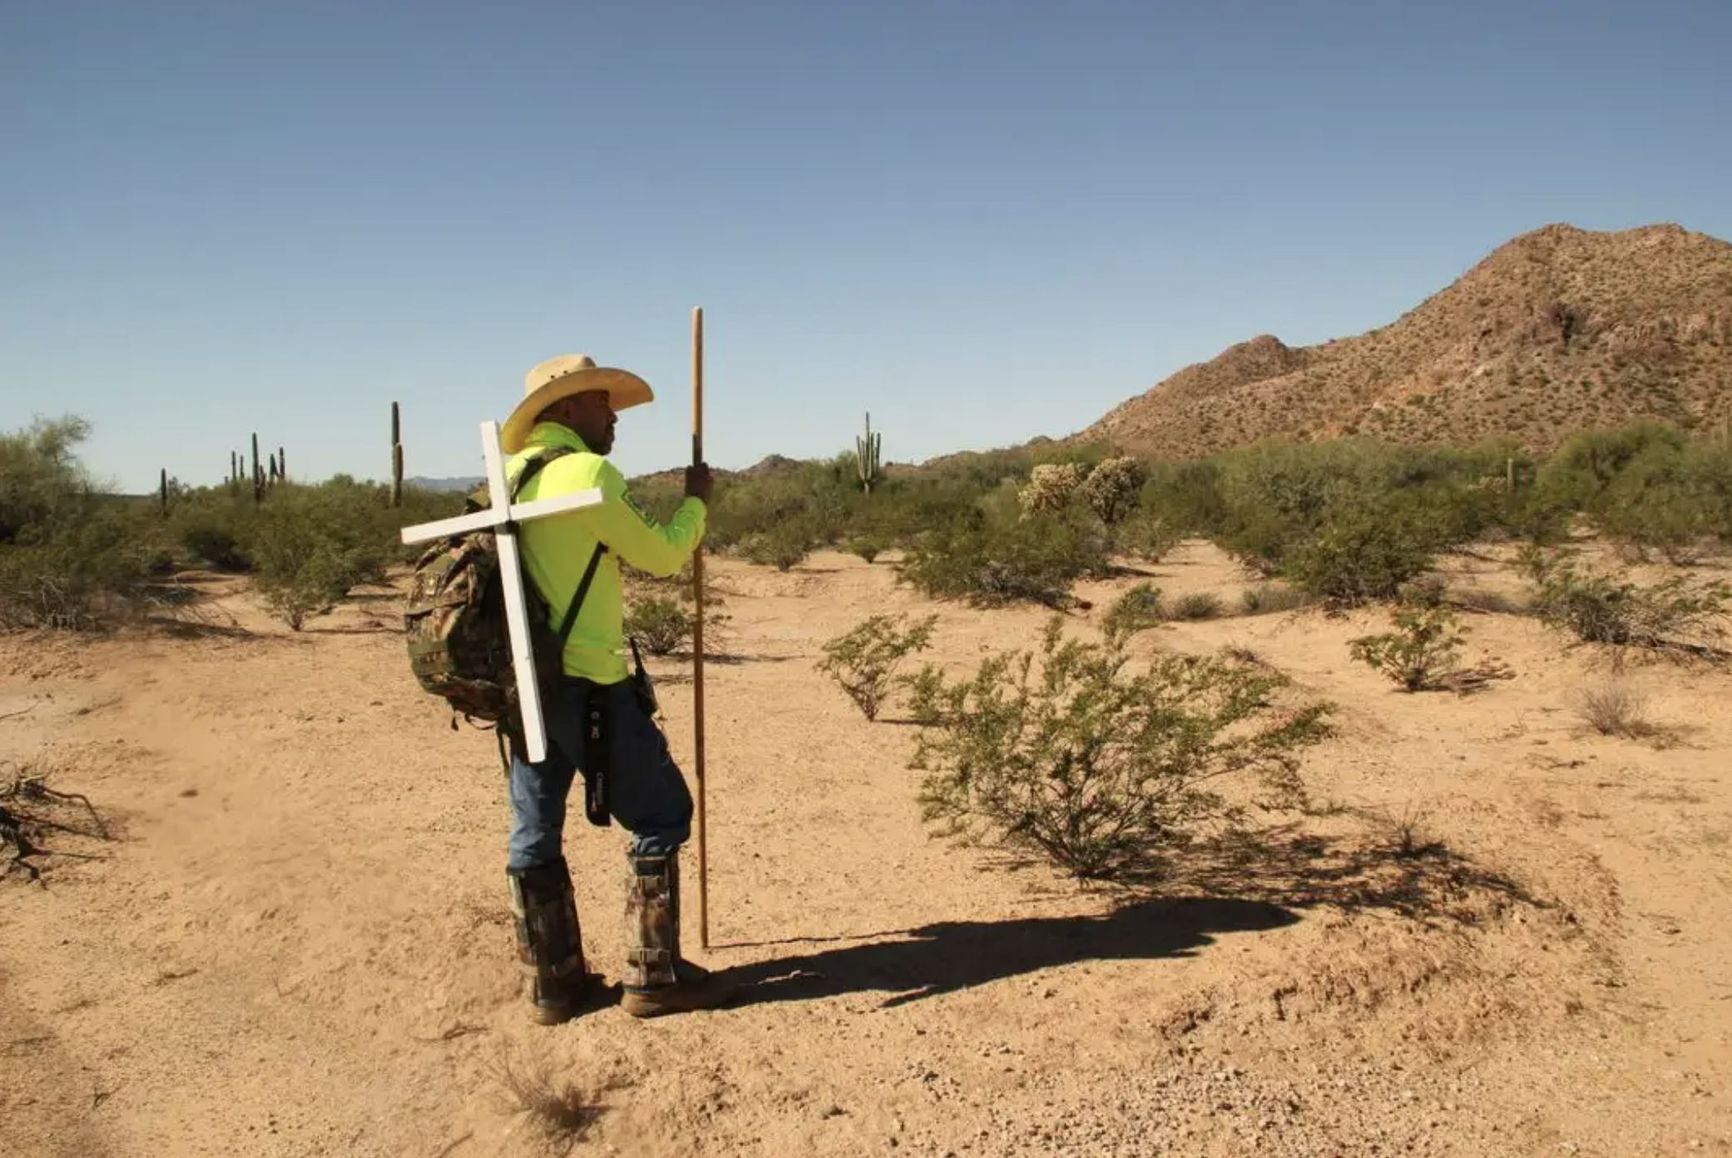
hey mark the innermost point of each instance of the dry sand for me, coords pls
(299, 942)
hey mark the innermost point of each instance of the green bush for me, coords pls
(867, 547)
(1136, 610)
(864, 661)
(1670, 498)
(660, 624)
(783, 546)
(1599, 609)
(1144, 536)
(1420, 654)
(1364, 551)
(70, 557)
(311, 545)
(1001, 561)
(1102, 770)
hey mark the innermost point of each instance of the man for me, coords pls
(595, 722)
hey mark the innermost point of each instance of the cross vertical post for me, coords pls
(502, 517)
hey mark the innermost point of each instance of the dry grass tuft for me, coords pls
(1197, 605)
(1615, 709)
(561, 1108)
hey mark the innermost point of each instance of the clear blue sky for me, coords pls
(983, 221)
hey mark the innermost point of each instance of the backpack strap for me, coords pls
(570, 620)
(532, 467)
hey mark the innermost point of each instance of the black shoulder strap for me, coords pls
(530, 469)
(570, 620)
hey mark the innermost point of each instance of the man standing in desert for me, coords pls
(597, 724)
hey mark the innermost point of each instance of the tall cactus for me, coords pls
(234, 467)
(258, 473)
(866, 457)
(162, 493)
(396, 456)
(282, 466)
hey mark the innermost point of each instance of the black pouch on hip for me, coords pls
(597, 756)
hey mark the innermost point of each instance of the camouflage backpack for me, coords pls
(459, 646)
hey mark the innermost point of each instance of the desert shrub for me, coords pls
(1100, 769)
(660, 624)
(1600, 609)
(1427, 590)
(1185, 496)
(1145, 536)
(212, 527)
(1363, 551)
(1670, 498)
(1269, 598)
(1110, 490)
(1136, 610)
(76, 575)
(1614, 709)
(1420, 654)
(311, 584)
(310, 545)
(42, 484)
(1051, 487)
(1582, 469)
(69, 556)
(998, 560)
(1197, 605)
(784, 546)
(866, 547)
(925, 695)
(864, 660)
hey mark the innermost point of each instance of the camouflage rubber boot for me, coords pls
(657, 979)
(549, 942)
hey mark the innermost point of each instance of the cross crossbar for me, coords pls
(502, 517)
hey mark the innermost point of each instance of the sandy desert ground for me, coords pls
(298, 942)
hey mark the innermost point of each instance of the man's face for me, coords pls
(591, 416)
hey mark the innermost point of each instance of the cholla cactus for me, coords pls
(1111, 488)
(1050, 487)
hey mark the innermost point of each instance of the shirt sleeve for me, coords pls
(630, 532)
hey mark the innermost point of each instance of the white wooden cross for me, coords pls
(500, 518)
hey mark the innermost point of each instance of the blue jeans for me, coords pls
(646, 793)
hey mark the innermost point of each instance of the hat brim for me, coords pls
(624, 390)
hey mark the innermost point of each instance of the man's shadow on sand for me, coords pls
(953, 955)
(1236, 885)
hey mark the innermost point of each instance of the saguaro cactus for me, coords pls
(274, 473)
(234, 467)
(162, 492)
(396, 456)
(258, 473)
(282, 466)
(866, 457)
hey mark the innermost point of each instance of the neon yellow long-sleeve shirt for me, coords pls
(557, 549)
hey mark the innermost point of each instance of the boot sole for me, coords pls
(642, 1005)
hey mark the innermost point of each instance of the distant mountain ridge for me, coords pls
(1557, 330)
(462, 483)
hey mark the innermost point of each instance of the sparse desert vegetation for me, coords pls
(1065, 812)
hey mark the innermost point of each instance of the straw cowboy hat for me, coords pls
(562, 377)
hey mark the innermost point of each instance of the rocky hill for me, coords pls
(1557, 330)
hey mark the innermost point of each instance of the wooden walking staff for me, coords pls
(698, 635)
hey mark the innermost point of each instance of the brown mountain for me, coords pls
(1558, 330)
